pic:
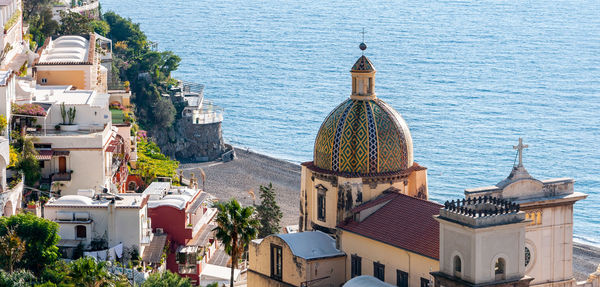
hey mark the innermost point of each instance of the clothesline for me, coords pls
(115, 252)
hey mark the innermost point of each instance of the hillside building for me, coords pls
(185, 215)
(71, 60)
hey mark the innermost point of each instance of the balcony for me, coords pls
(61, 176)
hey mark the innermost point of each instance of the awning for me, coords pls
(44, 154)
(153, 253)
(112, 146)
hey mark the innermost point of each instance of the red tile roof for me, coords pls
(386, 196)
(405, 222)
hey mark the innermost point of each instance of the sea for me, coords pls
(469, 77)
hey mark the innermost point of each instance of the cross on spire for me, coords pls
(519, 149)
(363, 35)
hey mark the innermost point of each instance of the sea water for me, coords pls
(469, 78)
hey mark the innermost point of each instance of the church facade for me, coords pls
(548, 204)
(364, 202)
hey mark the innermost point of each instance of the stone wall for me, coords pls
(190, 142)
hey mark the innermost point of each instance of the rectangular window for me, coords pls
(321, 206)
(401, 278)
(424, 282)
(370, 87)
(356, 266)
(276, 262)
(379, 271)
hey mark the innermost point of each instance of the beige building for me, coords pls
(71, 60)
(296, 259)
(548, 251)
(381, 239)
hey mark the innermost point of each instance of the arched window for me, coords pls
(500, 269)
(80, 232)
(457, 266)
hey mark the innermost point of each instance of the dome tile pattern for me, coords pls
(365, 137)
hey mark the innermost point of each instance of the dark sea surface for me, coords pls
(469, 77)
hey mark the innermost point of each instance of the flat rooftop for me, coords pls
(64, 94)
(122, 200)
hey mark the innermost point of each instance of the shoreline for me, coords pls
(250, 169)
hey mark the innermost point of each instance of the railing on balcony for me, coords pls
(208, 114)
(61, 176)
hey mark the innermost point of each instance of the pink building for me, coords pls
(185, 215)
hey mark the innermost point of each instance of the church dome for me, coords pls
(363, 135)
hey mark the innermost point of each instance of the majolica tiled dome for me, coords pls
(365, 137)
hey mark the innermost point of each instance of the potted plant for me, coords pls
(31, 204)
(70, 116)
(126, 84)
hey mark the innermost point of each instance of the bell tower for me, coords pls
(363, 78)
(481, 243)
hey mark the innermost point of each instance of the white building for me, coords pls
(481, 243)
(86, 154)
(116, 219)
(548, 250)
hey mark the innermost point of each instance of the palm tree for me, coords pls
(236, 226)
(87, 272)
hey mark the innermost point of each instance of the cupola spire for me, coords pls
(363, 77)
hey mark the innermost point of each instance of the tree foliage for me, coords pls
(166, 279)
(73, 23)
(41, 24)
(236, 226)
(34, 7)
(89, 273)
(12, 249)
(268, 212)
(27, 161)
(21, 278)
(152, 163)
(40, 236)
(148, 71)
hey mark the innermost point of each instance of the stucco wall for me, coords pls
(417, 266)
(79, 76)
(87, 116)
(295, 270)
(118, 225)
(551, 245)
(480, 248)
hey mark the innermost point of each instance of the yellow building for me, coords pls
(296, 259)
(363, 148)
(71, 61)
(394, 238)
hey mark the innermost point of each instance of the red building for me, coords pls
(185, 215)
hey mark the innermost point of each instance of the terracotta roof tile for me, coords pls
(405, 222)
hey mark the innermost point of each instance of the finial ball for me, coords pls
(362, 46)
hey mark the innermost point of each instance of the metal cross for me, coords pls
(519, 149)
(363, 35)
